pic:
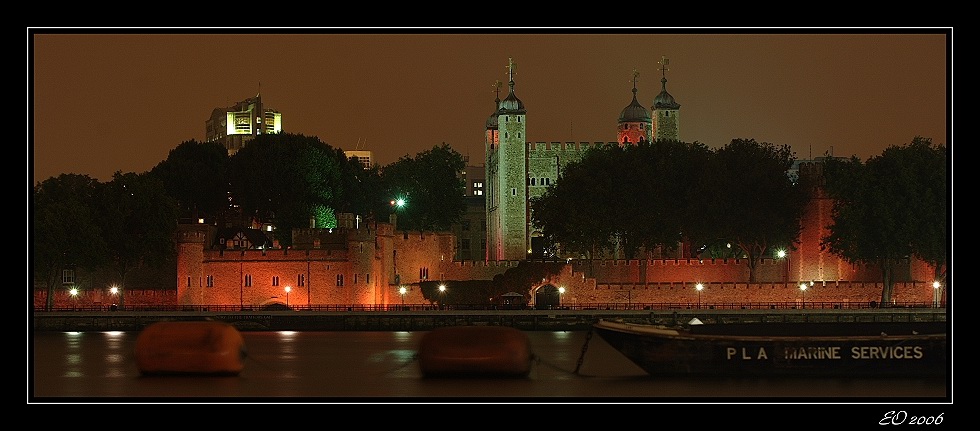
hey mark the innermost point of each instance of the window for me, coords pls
(532, 181)
(355, 278)
(68, 276)
(188, 282)
(423, 273)
(275, 280)
(210, 281)
(367, 278)
(248, 280)
(301, 279)
(340, 279)
(513, 192)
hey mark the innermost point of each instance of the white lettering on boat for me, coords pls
(746, 353)
(828, 352)
(886, 352)
(812, 352)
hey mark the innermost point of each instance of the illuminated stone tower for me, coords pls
(506, 175)
(666, 111)
(635, 122)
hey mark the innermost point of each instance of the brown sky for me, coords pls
(107, 100)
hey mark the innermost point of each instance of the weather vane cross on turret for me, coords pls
(664, 61)
(511, 67)
(496, 88)
(635, 74)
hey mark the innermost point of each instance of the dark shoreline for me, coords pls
(529, 320)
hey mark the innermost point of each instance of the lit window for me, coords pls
(340, 279)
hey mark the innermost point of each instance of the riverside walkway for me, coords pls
(531, 320)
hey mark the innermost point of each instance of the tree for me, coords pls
(196, 176)
(432, 186)
(575, 211)
(746, 197)
(891, 207)
(660, 178)
(138, 223)
(288, 179)
(65, 232)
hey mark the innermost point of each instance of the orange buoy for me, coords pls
(190, 347)
(482, 351)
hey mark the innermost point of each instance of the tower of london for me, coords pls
(518, 171)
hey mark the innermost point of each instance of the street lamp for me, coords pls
(74, 297)
(287, 295)
(114, 290)
(935, 293)
(803, 287)
(402, 291)
(699, 287)
(785, 257)
(442, 295)
(561, 292)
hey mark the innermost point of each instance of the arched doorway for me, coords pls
(547, 297)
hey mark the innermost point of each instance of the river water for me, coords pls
(380, 367)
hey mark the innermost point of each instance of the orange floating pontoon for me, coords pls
(483, 351)
(190, 347)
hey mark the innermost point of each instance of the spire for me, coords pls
(512, 104)
(664, 100)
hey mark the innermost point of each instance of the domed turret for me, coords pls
(635, 112)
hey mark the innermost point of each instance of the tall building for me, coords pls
(236, 125)
(518, 171)
(361, 156)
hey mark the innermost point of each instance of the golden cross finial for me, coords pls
(664, 61)
(496, 87)
(511, 66)
(635, 74)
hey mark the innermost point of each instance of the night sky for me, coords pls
(112, 99)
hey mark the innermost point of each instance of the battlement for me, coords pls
(565, 146)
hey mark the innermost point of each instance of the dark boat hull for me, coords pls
(814, 351)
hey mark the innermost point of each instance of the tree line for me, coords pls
(740, 201)
(286, 180)
(734, 201)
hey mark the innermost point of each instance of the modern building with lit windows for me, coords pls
(236, 125)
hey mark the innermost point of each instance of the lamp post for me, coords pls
(699, 287)
(114, 290)
(287, 295)
(442, 295)
(74, 298)
(561, 292)
(803, 287)
(935, 293)
(785, 257)
(402, 291)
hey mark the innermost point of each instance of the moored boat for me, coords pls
(865, 349)
(477, 351)
(190, 347)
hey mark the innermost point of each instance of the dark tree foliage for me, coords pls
(632, 197)
(195, 175)
(573, 212)
(138, 222)
(891, 207)
(64, 229)
(657, 192)
(291, 180)
(432, 187)
(745, 197)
